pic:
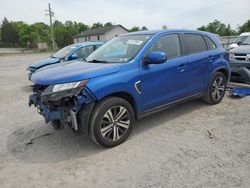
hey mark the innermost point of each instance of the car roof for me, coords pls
(165, 31)
(87, 44)
(245, 34)
(153, 32)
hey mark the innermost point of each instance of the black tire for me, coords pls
(109, 133)
(211, 96)
(56, 124)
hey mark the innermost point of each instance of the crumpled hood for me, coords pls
(74, 71)
(242, 49)
(44, 62)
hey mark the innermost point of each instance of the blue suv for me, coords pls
(129, 77)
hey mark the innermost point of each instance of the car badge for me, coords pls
(248, 57)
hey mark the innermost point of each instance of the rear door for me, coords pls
(198, 59)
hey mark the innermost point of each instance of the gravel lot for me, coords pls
(169, 149)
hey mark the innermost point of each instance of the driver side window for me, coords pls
(84, 51)
(169, 44)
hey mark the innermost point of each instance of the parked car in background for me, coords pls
(242, 37)
(68, 53)
(130, 77)
(240, 62)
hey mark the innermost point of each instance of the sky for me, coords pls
(150, 13)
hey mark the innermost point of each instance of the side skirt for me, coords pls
(169, 105)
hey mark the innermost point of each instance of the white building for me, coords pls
(102, 34)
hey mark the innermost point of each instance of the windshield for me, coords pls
(241, 39)
(64, 51)
(118, 50)
(246, 42)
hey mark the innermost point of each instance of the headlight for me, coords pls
(231, 56)
(59, 91)
(72, 85)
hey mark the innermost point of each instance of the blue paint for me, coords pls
(172, 80)
(240, 92)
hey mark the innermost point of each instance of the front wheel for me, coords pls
(111, 122)
(216, 89)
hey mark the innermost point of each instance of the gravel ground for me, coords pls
(172, 148)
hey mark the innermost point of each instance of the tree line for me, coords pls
(21, 34)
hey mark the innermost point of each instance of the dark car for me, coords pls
(130, 77)
(240, 62)
(68, 53)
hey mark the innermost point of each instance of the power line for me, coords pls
(51, 14)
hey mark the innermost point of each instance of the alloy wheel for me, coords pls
(115, 123)
(218, 88)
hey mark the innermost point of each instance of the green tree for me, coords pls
(245, 27)
(64, 33)
(9, 32)
(219, 28)
(42, 30)
(23, 33)
(108, 24)
(60, 33)
(97, 25)
(135, 28)
(82, 27)
(144, 28)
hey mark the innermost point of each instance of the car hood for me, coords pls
(44, 62)
(72, 72)
(243, 49)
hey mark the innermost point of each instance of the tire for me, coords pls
(111, 122)
(216, 88)
(56, 124)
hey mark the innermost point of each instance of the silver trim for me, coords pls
(73, 120)
(176, 101)
(136, 87)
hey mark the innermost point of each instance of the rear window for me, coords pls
(195, 43)
(210, 43)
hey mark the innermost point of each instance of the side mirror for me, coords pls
(239, 43)
(155, 58)
(73, 56)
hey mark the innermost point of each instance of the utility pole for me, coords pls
(51, 14)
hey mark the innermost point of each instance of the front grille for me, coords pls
(241, 57)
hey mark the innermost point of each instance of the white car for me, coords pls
(240, 39)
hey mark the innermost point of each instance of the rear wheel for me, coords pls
(111, 122)
(216, 89)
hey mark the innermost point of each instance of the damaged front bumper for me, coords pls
(240, 71)
(30, 71)
(61, 108)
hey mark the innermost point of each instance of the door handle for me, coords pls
(181, 66)
(210, 57)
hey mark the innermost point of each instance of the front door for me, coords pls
(167, 82)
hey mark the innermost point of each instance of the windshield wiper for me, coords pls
(98, 61)
(244, 44)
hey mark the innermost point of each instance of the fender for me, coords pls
(120, 82)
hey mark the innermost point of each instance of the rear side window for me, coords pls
(210, 43)
(195, 43)
(170, 44)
